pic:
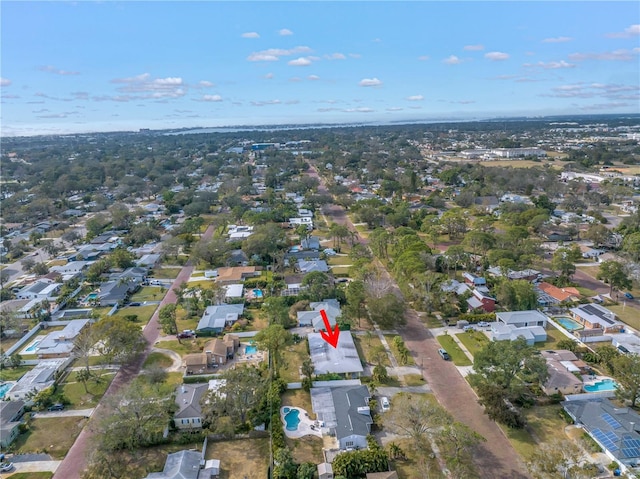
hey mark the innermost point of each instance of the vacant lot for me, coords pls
(544, 422)
(149, 293)
(394, 350)
(291, 362)
(298, 398)
(156, 359)
(474, 341)
(367, 346)
(54, 436)
(242, 458)
(306, 449)
(143, 313)
(75, 392)
(166, 272)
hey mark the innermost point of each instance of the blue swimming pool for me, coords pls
(604, 385)
(251, 350)
(257, 293)
(33, 346)
(292, 419)
(568, 323)
(4, 389)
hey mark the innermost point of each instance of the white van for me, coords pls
(384, 403)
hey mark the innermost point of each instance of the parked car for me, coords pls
(135, 304)
(186, 334)
(384, 403)
(6, 466)
(470, 327)
(483, 324)
(56, 407)
(444, 354)
(628, 295)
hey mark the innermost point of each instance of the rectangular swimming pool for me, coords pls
(568, 323)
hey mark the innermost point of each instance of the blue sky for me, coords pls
(110, 66)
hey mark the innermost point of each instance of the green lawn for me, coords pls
(143, 313)
(187, 346)
(53, 436)
(474, 341)
(546, 424)
(13, 374)
(156, 359)
(298, 398)
(32, 475)
(413, 379)
(366, 346)
(394, 350)
(627, 314)
(291, 361)
(149, 293)
(339, 260)
(458, 356)
(338, 270)
(167, 272)
(553, 336)
(242, 458)
(79, 398)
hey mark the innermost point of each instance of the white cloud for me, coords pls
(300, 62)
(56, 71)
(423, 58)
(395, 108)
(154, 88)
(452, 60)
(557, 40)
(214, 98)
(629, 32)
(274, 54)
(5, 81)
(362, 109)
(355, 55)
(267, 102)
(250, 35)
(611, 91)
(550, 65)
(616, 55)
(370, 82)
(336, 56)
(313, 77)
(269, 76)
(415, 98)
(285, 32)
(474, 48)
(205, 84)
(496, 56)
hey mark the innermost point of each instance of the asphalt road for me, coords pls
(495, 458)
(76, 460)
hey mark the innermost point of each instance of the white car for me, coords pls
(384, 403)
(6, 466)
(483, 324)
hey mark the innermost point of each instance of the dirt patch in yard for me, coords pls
(242, 458)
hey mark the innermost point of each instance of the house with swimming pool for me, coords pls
(561, 365)
(615, 429)
(218, 317)
(594, 316)
(345, 414)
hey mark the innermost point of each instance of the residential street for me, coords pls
(76, 459)
(449, 387)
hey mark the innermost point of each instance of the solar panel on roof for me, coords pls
(611, 421)
(631, 452)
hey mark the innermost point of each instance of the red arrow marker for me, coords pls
(330, 336)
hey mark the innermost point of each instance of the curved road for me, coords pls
(76, 460)
(496, 458)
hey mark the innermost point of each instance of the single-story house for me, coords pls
(116, 292)
(71, 270)
(234, 291)
(305, 266)
(595, 316)
(353, 416)
(148, 261)
(314, 319)
(615, 429)
(188, 465)
(562, 365)
(10, 419)
(235, 274)
(325, 470)
(189, 413)
(311, 242)
(60, 344)
(482, 300)
(343, 359)
(40, 377)
(550, 294)
(473, 280)
(509, 332)
(217, 317)
(40, 290)
(521, 319)
(454, 286)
